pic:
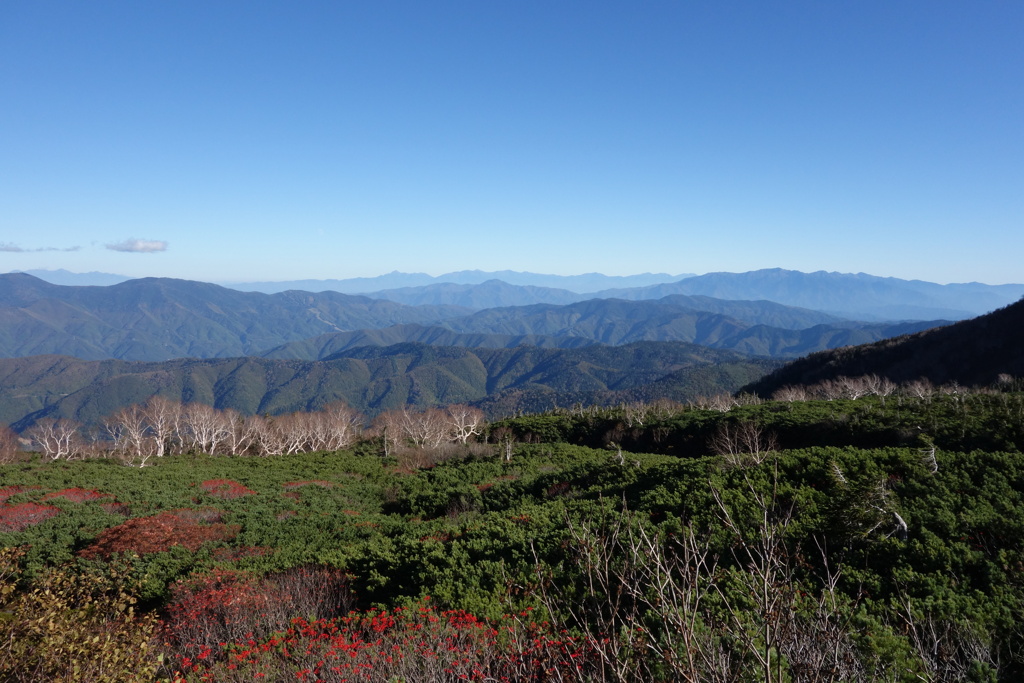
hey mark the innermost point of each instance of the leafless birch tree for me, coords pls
(56, 439)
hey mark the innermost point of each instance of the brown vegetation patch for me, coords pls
(157, 533)
(20, 517)
(116, 508)
(207, 515)
(226, 489)
(77, 495)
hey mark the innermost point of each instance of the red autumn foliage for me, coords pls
(157, 533)
(402, 644)
(8, 491)
(205, 611)
(77, 495)
(20, 517)
(225, 488)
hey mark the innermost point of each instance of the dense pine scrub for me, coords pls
(877, 538)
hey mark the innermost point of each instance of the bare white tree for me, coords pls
(9, 445)
(242, 432)
(920, 388)
(56, 439)
(129, 430)
(791, 393)
(342, 425)
(205, 428)
(268, 438)
(387, 426)
(426, 428)
(163, 418)
(743, 443)
(852, 387)
(465, 422)
(635, 413)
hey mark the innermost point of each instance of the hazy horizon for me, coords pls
(667, 277)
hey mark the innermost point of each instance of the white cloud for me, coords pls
(7, 246)
(139, 246)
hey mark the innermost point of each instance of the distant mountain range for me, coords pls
(846, 296)
(578, 284)
(155, 319)
(971, 353)
(843, 295)
(372, 379)
(84, 351)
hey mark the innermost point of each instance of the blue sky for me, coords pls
(234, 141)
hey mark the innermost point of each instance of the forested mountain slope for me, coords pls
(970, 352)
(741, 325)
(372, 379)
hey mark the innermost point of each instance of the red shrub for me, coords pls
(225, 488)
(408, 645)
(158, 533)
(77, 495)
(208, 610)
(20, 517)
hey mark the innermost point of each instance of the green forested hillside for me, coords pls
(372, 379)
